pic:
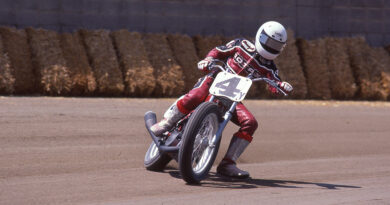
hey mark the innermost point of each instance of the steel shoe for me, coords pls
(229, 169)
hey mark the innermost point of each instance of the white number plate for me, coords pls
(231, 86)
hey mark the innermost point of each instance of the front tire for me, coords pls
(155, 160)
(197, 154)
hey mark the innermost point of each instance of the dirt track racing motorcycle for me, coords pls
(194, 141)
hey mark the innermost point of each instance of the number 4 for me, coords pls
(228, 87)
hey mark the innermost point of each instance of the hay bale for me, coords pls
(184, 51)
(313, 55)
(342, 81)
(381, 60)
(226, 39)
(290, 67)
(385, 73)
(387, 48)
(104, 62)
(204, 44)
(50, 63)
(260, 90)
(7, 80)
(365, 68)
(254, 91)
(386, 83)
(80, 72)
(356, 51)
(136, 68)
(18, 51)
(169, 75)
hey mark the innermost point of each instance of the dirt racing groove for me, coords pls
(90, 151)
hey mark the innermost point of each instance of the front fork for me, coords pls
(226, 118)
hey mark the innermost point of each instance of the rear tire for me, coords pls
(196, 156)
(154, 160)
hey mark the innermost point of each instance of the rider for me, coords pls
(244, 58)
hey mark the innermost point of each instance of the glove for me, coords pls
(285, 86)
(203, 64)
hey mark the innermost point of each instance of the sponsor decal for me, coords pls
(239, 60)
(252, 71)
(278, 34)
(248, 46)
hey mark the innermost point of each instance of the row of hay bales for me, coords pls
(122, 63)
(345, 68)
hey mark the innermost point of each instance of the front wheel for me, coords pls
(197, 153)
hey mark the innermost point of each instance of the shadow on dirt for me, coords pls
(217, 181)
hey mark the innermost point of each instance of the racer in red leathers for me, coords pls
(244, 58)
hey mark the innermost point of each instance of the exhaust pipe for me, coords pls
(151, 119)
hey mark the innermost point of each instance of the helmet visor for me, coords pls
(271, 45)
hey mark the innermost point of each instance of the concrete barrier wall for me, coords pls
(309, 18)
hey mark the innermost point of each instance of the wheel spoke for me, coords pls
(202, 151)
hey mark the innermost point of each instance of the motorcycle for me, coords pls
(194, 141)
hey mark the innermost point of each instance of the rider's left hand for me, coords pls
(286, 86)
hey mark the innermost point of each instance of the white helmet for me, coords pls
(270, 39)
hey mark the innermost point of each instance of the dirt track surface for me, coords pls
(90, 151)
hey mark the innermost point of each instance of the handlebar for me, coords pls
(228, 68)
(272, 83)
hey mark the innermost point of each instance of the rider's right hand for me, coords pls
(204, 64)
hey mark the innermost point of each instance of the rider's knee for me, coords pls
(196, 96)
(253, 124)
(250, 125)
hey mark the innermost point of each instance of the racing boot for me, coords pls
(171, 117)
(228, 167)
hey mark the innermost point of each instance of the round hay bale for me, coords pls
(204, 44)
(313, 55)
(18, 51)
(80, 72)
(136, 68)
(7, 80)
(183, 49)
(342, 81)
(365, 67)
(104, 62)
(169, 75)
(290, 68)
(50, 63)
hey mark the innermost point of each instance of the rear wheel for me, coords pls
(197, 153)
(155, 160)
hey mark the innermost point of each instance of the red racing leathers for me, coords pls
(241, 56)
